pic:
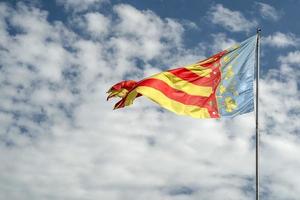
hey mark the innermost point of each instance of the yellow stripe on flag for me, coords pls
(130, 97)
(200, 71)
(170, 104)
(185, 86)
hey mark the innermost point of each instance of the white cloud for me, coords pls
(92, 24)
(280, 133)
(143, 35)
(221, 42)
(290, 58)
(147, 25)
(189, 24)
(233, 21)
(281, 40)
(80, 5)
(268, 12)
(97, 24)
(59, 134)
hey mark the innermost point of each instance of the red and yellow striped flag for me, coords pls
(187, 90)
(221, 85)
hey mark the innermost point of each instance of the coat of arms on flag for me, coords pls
(221, 85)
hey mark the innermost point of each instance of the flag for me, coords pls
(219, 86)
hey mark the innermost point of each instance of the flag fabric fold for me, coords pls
(219, 86)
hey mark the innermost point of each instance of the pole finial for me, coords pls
(258, 30)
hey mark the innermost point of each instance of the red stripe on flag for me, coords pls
(181, 96)
(191, 77)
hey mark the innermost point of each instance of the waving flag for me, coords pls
(221, 85)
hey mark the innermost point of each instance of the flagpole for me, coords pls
(258, 30)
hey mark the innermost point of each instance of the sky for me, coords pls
(60, 138)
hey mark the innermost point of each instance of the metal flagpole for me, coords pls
(258, 30)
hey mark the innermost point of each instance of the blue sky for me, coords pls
(60, 139)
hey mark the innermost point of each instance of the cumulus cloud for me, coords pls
(233, 21)
(268, 12)
(280, 133)
(221, 42)
(60, 139)
(281, 40)
(97, 24)
(291, 58)
(33, 60)
(189, 24)
(80, 5)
